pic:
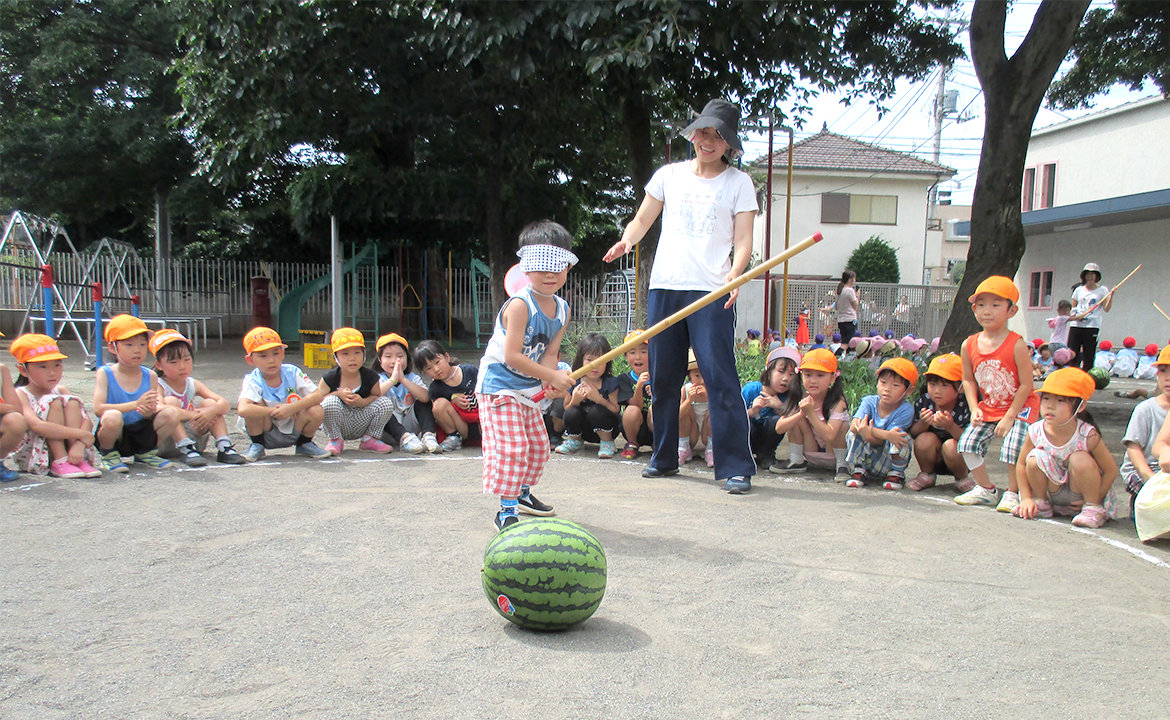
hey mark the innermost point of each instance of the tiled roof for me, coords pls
(829, 151)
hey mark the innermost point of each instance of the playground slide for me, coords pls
(288, 313)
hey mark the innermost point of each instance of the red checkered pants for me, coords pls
(515, 444)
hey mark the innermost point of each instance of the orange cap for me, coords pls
(35, 348)
(903, 367)
(820, 359)
(1163, 357)
(121, 327)
(998, 285)
(633, 334)
(947, 367)
(165, 337)
(1069, 382)
(347, 337)
(391, 338)
(261, 338)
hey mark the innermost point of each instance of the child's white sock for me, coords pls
(684, 443)
(223, 442)
(795, 454)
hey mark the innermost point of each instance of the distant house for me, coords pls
(850, 191)
(1097, 189)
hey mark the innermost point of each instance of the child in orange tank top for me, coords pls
(997, 381)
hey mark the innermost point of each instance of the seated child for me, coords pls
(940, 416)
(201, 411)
(1105, 356)
(1042, 363)
(1147, 365)
(634, 396)
(815, 417)
(131, 422)
(591, 408)
(1127, 359)
(352, 400)
(452, 391)
(879, 444)
(413, 416)
(1147, 419)
(764, 399)
(279, 405)
(694, 425)
(1064, 465)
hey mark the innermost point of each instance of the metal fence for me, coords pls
(919, 309)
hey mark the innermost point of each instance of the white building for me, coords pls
(1097, 189)
(849, 191)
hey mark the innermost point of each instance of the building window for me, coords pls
(1040, 290)
(859, 209)
(1042, 194)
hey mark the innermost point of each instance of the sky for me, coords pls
(908, 126)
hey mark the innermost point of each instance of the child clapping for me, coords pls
(879, 441)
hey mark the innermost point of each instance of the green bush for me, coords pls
(875, 260)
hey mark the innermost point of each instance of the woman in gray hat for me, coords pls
(1085, 320)
(708, 209)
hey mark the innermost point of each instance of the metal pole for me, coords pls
(336, 252)
(787, 229)
(47, 297)
(97, 326)
(768, 232)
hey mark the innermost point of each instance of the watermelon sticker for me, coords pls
(505, 605)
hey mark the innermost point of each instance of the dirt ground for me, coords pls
(350, 588)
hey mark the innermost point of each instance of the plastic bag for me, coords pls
(1152, 508)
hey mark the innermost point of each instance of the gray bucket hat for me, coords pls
(724, 117)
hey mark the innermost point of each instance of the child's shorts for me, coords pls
(1065, 497)
(977, 437)
(138, 437)
(645, 434)
(275, 439)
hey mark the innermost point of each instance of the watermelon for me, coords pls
(1100, 376)
(544, 574)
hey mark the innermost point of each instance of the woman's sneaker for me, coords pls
(453, 442)
(606, 449)
(1008, 501)
(738, 485)
(431, 443)
(630, 451)
(856, 480)
(411, 445)
(569, 446)
(979, 496)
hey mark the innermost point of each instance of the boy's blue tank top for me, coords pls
(495, 377)
(116, 394)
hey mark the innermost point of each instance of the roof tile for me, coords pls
(829, 151)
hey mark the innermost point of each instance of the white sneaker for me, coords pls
(1008, 502)
(432, 443)
(979, 496)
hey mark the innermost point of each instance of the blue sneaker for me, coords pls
(738, 485)
(113, 462)
(313, 450)
(7, 474)
(151, 458)
(254, 452)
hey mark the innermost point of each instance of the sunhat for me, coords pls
(1063, 356)
(724, 117)
(1091, 267)
(35, 348)
(391, 338)
(165, 337)
(346, 337)
(261, 338)
(862, 347)
(784, 352)
(1069, 382)
(1163, 357)
(122, 327)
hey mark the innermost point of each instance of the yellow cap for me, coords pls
(347, 337)
(903, 367)
(1069, 382)
(1163, 357)
(121, 327)
(35, 348)
(819, 359)
(261, 338)
(391, 338)
(165, 337)
(998, 285)
(947, 367)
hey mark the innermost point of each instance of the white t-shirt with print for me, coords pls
(698, 221)
(1083, 299)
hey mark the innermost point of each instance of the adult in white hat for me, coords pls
(1085, 319)
(708, 208)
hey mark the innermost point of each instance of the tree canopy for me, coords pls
(875, 260)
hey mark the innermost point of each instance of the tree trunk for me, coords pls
(1013, 90)
(640, 145)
